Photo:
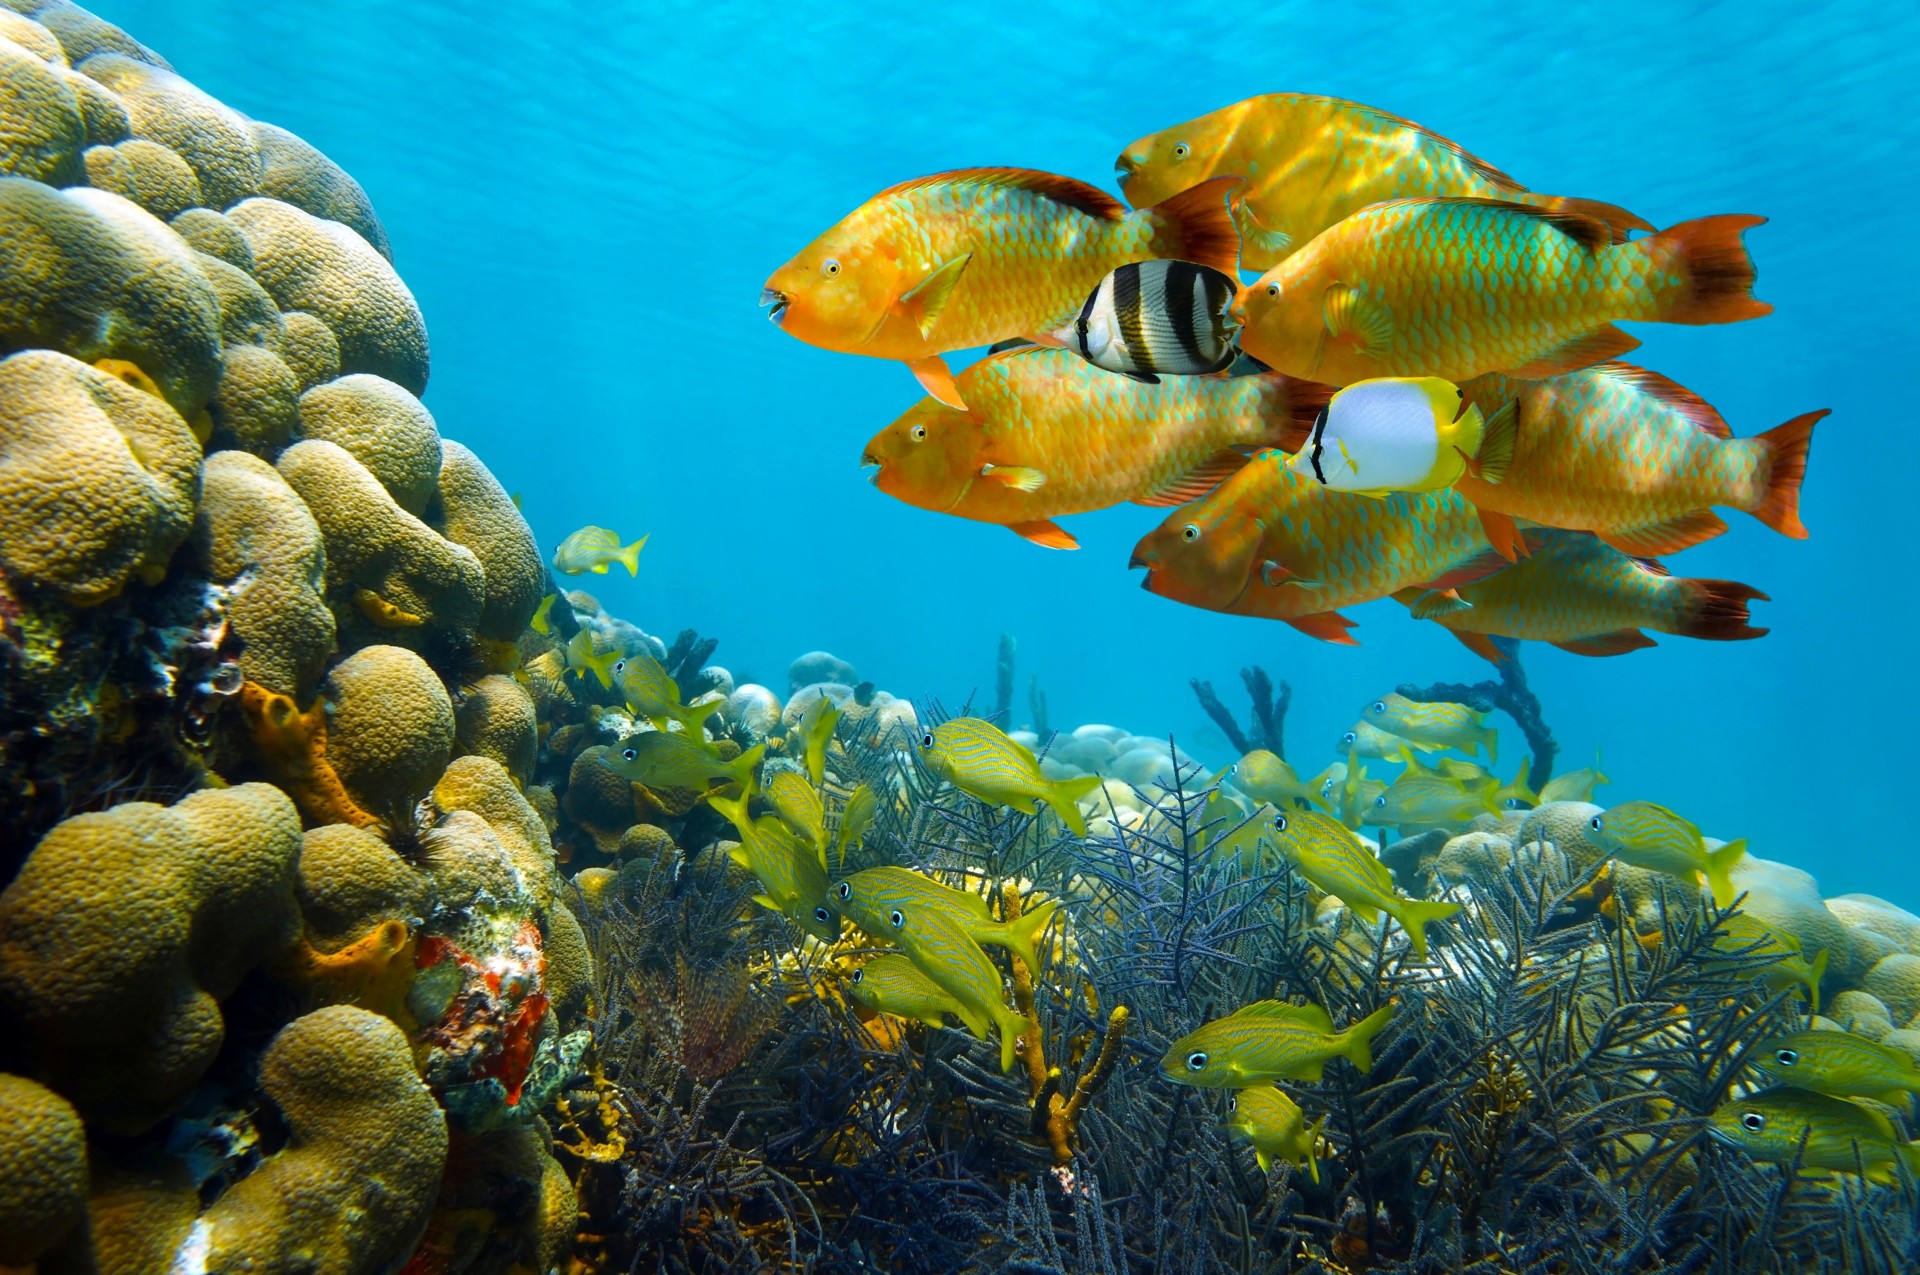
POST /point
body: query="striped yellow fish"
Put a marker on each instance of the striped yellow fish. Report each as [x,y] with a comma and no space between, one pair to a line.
[1443,725]
[798,805]
[1418,799]
[660,759]
[1585,596]
[815,732]
[855,819]
[593,549]
[894,985]
[1046,435]
[1269,542]
[1745,935]
[873,898]
[984,762]
[1815,1131]
[1310,162]
[1343,865]
[1264,776]
[1633,457]
[651,692]
[940,946]
[1838,1063]
[1276,1127]
[1653,837]
[1574,785]
[976,256]
[792,881]
[1375,744]
[1456,288]
[1270,1040]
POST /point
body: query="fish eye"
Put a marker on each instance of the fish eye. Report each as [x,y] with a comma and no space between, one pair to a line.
[897,919]
[1279,823]
[1594,823]
[1233,1102]
[1190,532]
[1273,291]
[858,975]
[1197,1060]
[822,915]
[1380,802]
[918,433]
[926,741]
[619,666]
[1786,1057]
[1350,738]
[1753,1121]
[1379,706]
[830,268]
[844,890]
[628,754]
[1181,150]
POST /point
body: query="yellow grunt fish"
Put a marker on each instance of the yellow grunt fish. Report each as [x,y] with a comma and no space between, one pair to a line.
[855,818]
[583,657]
[651,692]
[1575,785]
[1440,724]
[975,256]
[815,732]
[1653,837]
[1270,1040]
[593,548]
[1312,161]
[872,897]
[1838,1063]
[1047,434]
[1341,864]
[940,946]
[662,759]
[986,763]
[1459,287]
[1747,935]
[1785,1125]
[798,805]
[894,985]
[1276,1127]
[1375,744]
[792,882]
[1266,777]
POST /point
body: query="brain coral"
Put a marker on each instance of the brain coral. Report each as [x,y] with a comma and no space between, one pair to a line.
[97,479]
[214,140]
[86,272]
[256,405]
[82,34]
[361,1168]
[481,785]
[43,1193]
[349,881]
[256,537]
[147,173]
[476,511]
[495,718]
[42,129]
[392,727]
[248,315]
[209,232]
[310,349]
[126,928]
[384,427]
[296,173]
[330,272]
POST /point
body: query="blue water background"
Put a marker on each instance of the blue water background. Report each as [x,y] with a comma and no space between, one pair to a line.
[587,199]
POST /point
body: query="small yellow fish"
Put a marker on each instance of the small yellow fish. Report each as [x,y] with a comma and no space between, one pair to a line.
[1270,1040]
[792,881]
[1653,837]
[1340,863]
[984,762]
[539,623]
[815,730]
[1839,1064]
[651,692]
[583,658]
[798,805]
[1237,836]
[1264,776]
[1276,1127]
[855,819]
[1443,725]
[874,897]
[1422,799]
[1575,785]
[1392,433]
[1747,935]
[1371,742]
[592,549]
[893,984]
[663,759]
[942,949]
[1782,1125]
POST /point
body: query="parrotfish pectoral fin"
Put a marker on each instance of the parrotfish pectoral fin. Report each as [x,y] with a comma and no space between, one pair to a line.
[1670,535]
[1328,626]
[1497,440]
[1357,320]
[1586,349]
[1481,645]
[1439,602]
[1044,531]
[1253,233]
[928,297]
[1502,533]
[1195,483]
[1018,477]
[1618,642]
[936,378]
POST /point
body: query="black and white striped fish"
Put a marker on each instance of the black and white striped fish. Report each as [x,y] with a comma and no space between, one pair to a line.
[1156,317]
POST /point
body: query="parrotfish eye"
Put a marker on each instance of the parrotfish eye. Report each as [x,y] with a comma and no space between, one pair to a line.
[1594,823]
[1181,150]
[1273,291]
[844,890]
[1279,823]
[1753,1121]
[1786,1057]
[830,268]
[1197,1060]
[918,433]
[629,754]
[1190,532]
[897,919]
[822,915]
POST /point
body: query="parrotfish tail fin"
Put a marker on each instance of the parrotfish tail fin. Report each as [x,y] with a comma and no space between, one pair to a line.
[1618,219]
[1414,914]
[1719,863]
[1012,1026]
[1356,1043]
[1196,225]
[1816,970]
[746,770]
[1064,796]
[1313,1143]
[694,716]
[630,556]
[1717,610]
[1719,272]
[1022,935]
[1786,446]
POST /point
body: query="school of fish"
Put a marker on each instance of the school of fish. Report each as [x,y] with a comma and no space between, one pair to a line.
[1419,398]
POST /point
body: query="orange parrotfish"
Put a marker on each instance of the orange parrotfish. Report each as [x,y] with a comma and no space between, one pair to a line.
[1458,287]
[976,256]
[1046,433]
[1585,596]
[1276,544]
[1312,161]
[1633,457]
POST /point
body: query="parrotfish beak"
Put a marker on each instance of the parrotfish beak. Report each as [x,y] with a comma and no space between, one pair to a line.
[778,300]
[1238,310]
[1125,167]
[869,461]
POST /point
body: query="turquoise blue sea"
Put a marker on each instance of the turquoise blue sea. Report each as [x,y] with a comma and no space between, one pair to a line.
[586,200]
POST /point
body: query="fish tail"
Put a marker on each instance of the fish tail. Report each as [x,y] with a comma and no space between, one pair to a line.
[1786,448]
[1717,271]
[1012,1026]
[630,556]
[1064,796]
[1356,1043]
[733,811]
[1816,970]
[1021,935]
[1414,915]
[1719,863]
[602,666]
[1716,610]
[1313,1145]
[1198,226]
[746,768]
[694,716]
